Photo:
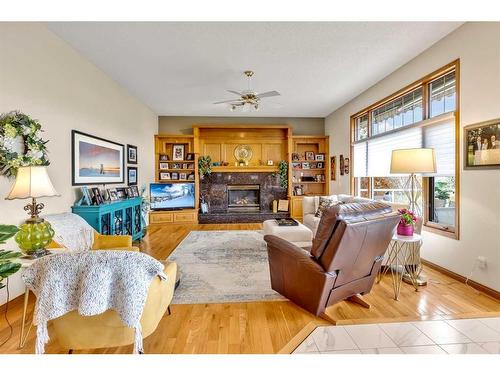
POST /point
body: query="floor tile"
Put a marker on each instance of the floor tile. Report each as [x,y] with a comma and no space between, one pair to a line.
[307,346]
[493,323]
[368,336]
[423,349]
[382,351]
[441,333]
[332,338]
[475,330]
[349,351]
[491,347]
[469,348]
[405,334]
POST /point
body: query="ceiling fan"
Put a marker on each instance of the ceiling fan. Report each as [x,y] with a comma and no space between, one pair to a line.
[248,99]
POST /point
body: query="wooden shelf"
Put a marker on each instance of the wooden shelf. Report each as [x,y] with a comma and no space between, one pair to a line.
[177,169]
[309,182]
[261,168]
[308,169]
[162,181]
[177,161]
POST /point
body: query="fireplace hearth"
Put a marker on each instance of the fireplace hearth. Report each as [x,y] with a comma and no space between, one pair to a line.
[243,198]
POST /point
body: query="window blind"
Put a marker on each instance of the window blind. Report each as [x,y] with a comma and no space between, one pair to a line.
[372,157]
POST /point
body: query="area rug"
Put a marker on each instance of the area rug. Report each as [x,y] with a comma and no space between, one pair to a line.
[223,266]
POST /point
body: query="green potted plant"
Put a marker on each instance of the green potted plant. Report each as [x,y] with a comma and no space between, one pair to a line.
[205,166]
[283,174]
[7,267]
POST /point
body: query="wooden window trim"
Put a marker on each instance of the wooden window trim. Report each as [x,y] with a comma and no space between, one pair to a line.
[425,84]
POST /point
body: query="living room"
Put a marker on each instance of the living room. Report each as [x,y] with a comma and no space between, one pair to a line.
[336,204]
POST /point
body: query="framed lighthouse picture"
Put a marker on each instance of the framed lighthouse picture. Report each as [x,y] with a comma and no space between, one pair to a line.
[96,160]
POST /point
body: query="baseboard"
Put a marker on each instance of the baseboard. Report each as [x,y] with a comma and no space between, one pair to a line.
[480,287]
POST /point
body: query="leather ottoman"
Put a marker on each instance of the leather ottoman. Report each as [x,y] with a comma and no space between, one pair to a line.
[299,235]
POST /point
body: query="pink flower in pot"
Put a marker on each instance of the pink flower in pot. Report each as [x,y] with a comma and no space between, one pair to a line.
[407,222]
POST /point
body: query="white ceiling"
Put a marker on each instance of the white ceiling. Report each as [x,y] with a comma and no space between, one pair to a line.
[182,68]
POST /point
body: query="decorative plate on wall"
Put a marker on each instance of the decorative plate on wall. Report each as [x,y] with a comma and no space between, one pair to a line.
[243,153]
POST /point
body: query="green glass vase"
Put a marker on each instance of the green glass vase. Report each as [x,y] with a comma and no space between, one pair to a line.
[33,237]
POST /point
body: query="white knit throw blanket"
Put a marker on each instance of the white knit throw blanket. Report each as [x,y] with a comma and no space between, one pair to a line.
[71,231]
[91,282]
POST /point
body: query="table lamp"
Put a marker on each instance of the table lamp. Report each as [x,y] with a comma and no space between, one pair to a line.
[413,161]
[36,233]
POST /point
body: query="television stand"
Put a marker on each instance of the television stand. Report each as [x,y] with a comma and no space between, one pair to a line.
[184,216]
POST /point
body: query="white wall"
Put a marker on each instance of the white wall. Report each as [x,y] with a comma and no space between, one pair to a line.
[478,47]
[44,77]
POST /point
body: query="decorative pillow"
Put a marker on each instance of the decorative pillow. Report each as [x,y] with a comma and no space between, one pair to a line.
[324,203]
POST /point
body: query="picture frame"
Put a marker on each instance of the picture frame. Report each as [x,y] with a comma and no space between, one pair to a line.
[87,199]
[96,160]
[346,166]
[298,190]
[190,156]
[129,192]
[297,165]
[270,163]
[131,154]
[178,152]
[98,199]
[319,157]
[310,155]
[190,177]
[185,165]
[283,205]
[112,194]
[182,176]
[341,164]
[306,165]
[136,191]
[164,157]
[120,193]
[482,145]
[165,176]
[132,176]
[175,165]
[295,156]
[174,176]
[320,165]
[164,165]
[333,168]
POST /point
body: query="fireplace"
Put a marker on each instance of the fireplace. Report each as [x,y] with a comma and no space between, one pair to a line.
[243,197]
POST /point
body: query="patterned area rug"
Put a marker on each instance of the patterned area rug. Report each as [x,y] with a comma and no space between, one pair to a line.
[223,266]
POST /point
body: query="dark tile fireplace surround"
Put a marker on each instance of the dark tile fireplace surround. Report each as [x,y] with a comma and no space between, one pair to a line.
[240,197]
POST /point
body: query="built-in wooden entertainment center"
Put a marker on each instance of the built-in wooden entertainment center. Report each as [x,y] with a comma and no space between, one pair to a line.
[267,144]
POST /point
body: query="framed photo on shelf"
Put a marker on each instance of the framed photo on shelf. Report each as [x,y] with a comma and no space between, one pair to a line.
[163,165]
[96,160]
[306,165]
[333,168]
[112,194]
[132,175]
[190,156]
[320,165]
[175,165]
[297,165]
[175,176]
[191,177]
[295,156]
[129,192]
[319,157]
[97,196]
[164,157]
[120,193]
[310,155]
[270,163]
[165,176]
[131,154]
[185,165]
[482,145]
[341,165]
[178,152]
[87,199]
[182,176]
[135,190]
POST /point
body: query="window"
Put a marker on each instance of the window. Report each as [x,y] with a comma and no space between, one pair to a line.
[410,120]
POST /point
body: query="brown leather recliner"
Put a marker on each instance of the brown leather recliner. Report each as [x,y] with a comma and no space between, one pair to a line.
[345,257]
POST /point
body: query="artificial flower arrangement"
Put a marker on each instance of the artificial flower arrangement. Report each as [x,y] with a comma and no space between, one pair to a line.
[20,143]
[407,222]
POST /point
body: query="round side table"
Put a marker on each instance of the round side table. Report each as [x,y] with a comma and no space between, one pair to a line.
[404,261]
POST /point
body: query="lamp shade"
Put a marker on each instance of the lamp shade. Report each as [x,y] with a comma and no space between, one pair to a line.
[32,182]
[413,160]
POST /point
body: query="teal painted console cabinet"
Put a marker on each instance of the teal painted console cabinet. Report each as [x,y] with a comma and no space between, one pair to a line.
[119,217]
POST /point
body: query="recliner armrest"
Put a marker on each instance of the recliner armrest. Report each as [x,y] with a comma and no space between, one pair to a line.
[277,244]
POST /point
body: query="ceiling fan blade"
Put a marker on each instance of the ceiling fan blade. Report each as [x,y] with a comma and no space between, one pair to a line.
[268,94]
[229,101]
[234,92]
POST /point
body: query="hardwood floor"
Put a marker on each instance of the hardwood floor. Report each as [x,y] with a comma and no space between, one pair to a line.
[267,327]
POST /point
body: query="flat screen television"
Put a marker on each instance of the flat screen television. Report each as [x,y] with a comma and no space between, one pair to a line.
[174,196]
